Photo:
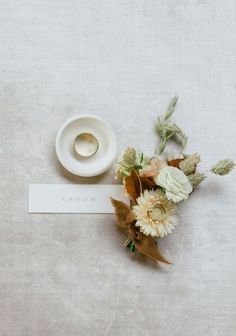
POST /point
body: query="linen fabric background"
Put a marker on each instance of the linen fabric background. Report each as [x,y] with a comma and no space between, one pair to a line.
[122,60]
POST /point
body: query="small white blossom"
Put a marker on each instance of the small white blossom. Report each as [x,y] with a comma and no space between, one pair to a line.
[175,183]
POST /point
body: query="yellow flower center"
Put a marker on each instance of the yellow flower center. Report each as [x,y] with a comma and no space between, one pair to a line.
[157,212]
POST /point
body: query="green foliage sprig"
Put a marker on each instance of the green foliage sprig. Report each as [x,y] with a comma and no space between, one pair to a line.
[168,131]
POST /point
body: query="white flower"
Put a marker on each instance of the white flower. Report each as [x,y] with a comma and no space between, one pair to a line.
[155,214]
[175,183]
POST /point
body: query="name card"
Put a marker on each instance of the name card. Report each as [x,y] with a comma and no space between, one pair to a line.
[74,198]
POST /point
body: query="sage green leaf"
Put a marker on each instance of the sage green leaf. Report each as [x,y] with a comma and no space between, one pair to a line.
[168,131]
[171,108]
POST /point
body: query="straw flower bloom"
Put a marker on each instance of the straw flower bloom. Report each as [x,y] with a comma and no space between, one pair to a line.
[155,214]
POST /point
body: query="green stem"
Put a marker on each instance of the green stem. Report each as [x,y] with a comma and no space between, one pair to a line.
[127,242]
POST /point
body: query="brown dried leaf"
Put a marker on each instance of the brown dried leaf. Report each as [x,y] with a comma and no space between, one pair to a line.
[147,183]
[136,184]
[174,163]
[123,213]
[146,245]
[132,185]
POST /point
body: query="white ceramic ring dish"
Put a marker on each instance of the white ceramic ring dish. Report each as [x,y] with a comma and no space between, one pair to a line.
[101,160]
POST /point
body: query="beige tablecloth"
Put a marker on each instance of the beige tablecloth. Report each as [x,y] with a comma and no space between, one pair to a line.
[68,275]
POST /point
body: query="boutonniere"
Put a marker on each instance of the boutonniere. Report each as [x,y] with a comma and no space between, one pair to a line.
[155,186]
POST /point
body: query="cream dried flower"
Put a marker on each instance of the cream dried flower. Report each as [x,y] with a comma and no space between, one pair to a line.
[153,168]
[156,216]
[175,183]
[189,164]
[223,167]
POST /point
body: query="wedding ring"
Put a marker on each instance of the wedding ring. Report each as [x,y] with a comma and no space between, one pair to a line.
[86,145]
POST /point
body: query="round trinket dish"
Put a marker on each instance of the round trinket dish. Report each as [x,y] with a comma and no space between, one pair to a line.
[86,145]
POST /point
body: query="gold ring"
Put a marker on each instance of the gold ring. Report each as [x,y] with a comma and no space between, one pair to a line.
[86,145]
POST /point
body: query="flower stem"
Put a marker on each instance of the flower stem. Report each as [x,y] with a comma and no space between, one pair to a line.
[127,242]
[140,183]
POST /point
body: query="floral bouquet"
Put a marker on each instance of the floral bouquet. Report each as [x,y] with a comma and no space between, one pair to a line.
[155,185]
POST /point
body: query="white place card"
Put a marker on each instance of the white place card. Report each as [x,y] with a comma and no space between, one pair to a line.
[73,198]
